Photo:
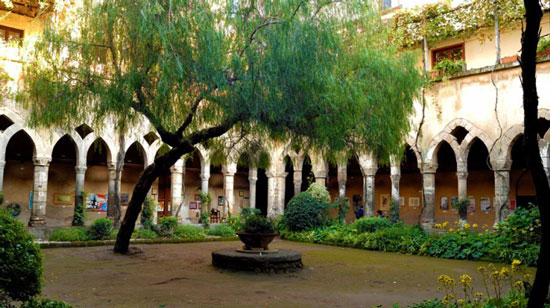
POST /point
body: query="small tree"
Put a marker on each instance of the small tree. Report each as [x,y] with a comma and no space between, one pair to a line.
[318,73]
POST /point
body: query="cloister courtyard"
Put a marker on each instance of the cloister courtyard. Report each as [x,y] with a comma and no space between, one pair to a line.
[181,275]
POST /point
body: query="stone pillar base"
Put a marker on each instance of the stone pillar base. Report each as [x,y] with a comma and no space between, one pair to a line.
[37,222]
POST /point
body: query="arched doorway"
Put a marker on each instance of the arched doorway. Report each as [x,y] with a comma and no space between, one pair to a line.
[522,189]
[19,173]
[96,182]
[289,179]
[446,184]
[481,184]
[192,185]
[307,174]
[261,192]
[410,188]
[134,164]
[61,183]
[354,187]
[163,193]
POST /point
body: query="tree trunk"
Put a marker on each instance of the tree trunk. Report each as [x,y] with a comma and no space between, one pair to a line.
[146,179]
[529,42]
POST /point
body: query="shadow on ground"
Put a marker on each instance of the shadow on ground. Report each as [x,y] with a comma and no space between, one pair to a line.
[181,275]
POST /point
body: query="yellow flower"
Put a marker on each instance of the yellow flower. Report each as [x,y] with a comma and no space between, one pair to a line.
[478,294]
[516,262]
[514,303]
[461,301]
[437,226]
[482,269]
[444,225]
[451,230]
[466,280]
[466,226]
[474,226]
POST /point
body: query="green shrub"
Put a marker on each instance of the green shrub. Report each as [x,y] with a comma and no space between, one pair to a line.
[69,234]
[305,212]
[205,220]
[189,231]
[146,234]
[449,67]
[222,230]
[79,213]
[20,261]
[258,224]
[462,244]
[371,224]
[100,229]
[147,214]
[247,211]
[167,225]
[45,303]
[319,192]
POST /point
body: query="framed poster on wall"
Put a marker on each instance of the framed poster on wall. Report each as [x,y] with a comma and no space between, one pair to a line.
[485,204]
[444,203]
[414,201]
[192,205]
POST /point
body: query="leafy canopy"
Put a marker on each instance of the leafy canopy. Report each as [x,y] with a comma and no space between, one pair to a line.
[320,73]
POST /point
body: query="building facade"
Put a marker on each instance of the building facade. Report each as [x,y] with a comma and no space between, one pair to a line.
[469,148]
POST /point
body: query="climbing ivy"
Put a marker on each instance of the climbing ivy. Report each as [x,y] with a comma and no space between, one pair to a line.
[441,21]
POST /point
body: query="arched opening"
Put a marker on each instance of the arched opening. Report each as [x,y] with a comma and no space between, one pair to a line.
[410,188]
[332,186]
[261,192]
[481,184]
[192,185]
[96,184]
[5,122]
[354,187]
[61,183]
[522,188]
[134,163]
[163,192]
[382,190]
[19,172]
[446,184]
[215,188]
[289,180]
[241,188]
[307,174]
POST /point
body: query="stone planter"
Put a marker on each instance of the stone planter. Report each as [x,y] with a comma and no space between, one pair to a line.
[256,241]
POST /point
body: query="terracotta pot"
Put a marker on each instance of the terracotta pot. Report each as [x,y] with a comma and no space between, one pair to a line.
[256,240]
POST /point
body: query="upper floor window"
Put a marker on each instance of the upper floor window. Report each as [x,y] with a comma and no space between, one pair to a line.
[385,4]
[454,53]
[10,34]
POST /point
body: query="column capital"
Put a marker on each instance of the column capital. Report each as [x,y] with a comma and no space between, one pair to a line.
[41,161]
[429,169]
[395,177]
[369,172]
[80,169]
[176,169]
[462,175]
[111,166]
[275,174]
[205,177]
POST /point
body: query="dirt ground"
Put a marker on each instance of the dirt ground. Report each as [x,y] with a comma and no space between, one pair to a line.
[181,275]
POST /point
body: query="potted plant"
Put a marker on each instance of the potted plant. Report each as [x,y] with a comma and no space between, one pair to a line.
[257,233]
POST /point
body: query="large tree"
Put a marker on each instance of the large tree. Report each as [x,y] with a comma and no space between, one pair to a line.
[317,72]
[528,61]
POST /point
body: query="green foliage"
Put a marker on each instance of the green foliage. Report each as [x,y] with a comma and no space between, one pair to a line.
[448,67]
[258,224]
[544,44]
[206,198]
[319,192]
[222,230]
[252,78]
[45,303]
[237,222]
[247,211]
[371,224]
[205,220]
[516,238]
[188,231]
[69,234]
[305,212]
[100,229]
[79,213]
[146,234]
[21,261]
[147,214]
[167,225]
[343,208]
[462,206]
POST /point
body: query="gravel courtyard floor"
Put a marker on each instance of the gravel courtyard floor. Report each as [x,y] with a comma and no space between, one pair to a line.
[181,275]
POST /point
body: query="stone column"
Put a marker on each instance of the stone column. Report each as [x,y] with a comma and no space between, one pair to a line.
[80,179]
[228,189]
[462,176]
[275,193]
[368,191]
[395,178]
[321,177]
[501,202]
[342,179]
[297,181]
[40,192]
[176,186]
[205,176]
[252,179]
[428,217]
[2,166]
[112,210]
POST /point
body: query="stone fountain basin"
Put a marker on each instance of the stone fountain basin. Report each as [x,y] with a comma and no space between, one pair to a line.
[281,261]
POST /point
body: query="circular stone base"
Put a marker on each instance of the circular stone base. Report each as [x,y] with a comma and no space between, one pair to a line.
[283,261]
